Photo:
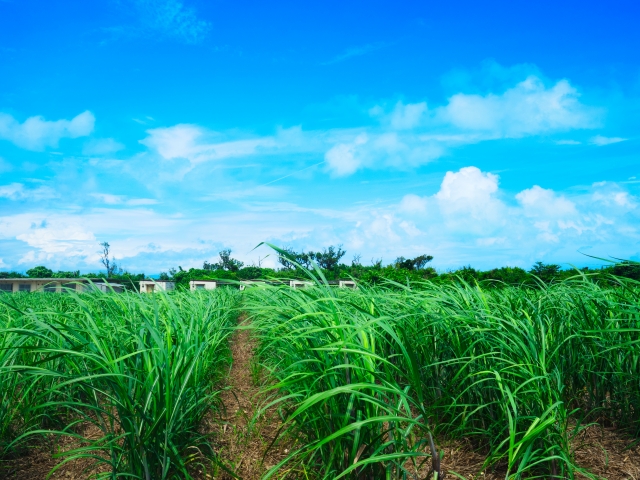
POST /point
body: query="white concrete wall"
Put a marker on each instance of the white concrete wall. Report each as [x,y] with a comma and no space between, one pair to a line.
[299,284]
[148,286]
[347,284]
[202,285]
[53,285]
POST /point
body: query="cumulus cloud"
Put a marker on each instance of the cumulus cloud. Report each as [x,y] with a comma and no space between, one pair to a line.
[529,108]
[601,141]
[538,201]
[535,223]
[410,134]
[470,193]
[412,203]
[36,133]
[470,213]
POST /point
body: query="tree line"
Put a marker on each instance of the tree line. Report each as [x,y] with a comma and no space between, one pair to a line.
[330,261]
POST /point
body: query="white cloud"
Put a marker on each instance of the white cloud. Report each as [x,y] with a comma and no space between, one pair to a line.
[403,116]
[408,135]
[101,146]
[199,145]
[568,142]
[17,191]
[36,133]
[469,219]
[611,195]
[413,204]
[381,228]
[538,201]
[68,239]
[529,108]
[470,194]
[380,151]
[600,141]
[345,158]
[535,224]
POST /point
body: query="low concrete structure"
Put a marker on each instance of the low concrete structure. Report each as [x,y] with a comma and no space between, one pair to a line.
[202,285]
[151,286]
[347,284]
[299,284]
[57,285]
[109,287]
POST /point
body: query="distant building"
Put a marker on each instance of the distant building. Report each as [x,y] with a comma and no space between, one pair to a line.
[151,286]
[299,284]
[347,284]
[202,285]
[58,285]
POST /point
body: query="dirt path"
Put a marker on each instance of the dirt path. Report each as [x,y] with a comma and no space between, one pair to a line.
[243,440]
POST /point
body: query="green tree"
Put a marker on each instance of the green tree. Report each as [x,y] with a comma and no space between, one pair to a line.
[11,275]
[545,272]
[417,263]
[40,272]
[627,269]
[227,263]
[508,275]
[329,258]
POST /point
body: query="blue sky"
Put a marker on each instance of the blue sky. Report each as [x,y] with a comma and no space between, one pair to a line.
[482,133]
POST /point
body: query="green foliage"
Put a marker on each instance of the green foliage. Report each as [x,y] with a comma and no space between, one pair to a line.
[40,272]
[545,272]
[363,379]
[518,370]
[249,273]
[225,263]
[417,263]
[328,259]
[379,276]
[63,274]
[345,383]
[506,275]
[142,369]
[627,269]
[11,275]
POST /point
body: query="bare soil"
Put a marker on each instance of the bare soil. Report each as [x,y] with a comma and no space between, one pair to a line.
[243,439]
[603,452]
